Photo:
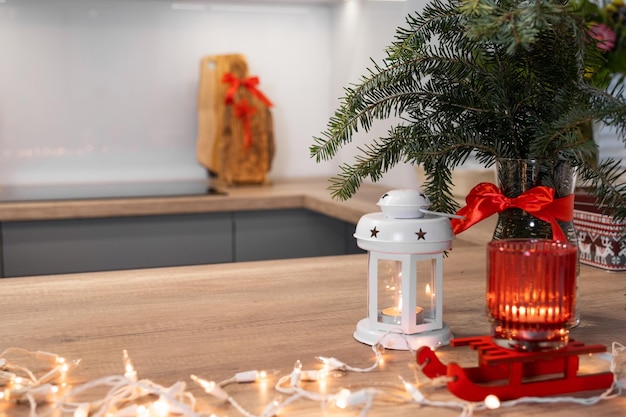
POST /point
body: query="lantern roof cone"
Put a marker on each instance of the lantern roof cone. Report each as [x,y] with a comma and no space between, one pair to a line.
[404,225]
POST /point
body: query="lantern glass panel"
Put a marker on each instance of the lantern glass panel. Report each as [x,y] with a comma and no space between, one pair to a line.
[389,291]
[426,288]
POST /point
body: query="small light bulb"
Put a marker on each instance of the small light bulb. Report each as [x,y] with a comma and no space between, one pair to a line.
[44,392]
[129,369]
[492,402]
[202,382]
[332,363]
[6,394]
[82,410]
[250,376]
[271,409]
[161,407]
[341,400]
[322,380]
[58,372]
[210,387]
[413,391]
[295,374]
[142,411]
[346,398]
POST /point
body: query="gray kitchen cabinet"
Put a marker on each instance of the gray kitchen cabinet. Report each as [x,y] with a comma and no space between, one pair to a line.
[294,233]
[101,244]
[48,247]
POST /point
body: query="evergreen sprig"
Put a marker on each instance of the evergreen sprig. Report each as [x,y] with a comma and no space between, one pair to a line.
[488,78]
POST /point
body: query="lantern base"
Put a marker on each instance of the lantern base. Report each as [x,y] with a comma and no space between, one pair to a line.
[400,341]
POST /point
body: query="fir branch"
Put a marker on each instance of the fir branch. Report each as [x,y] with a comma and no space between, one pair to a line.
[489,78]
[373,162]
[607,183]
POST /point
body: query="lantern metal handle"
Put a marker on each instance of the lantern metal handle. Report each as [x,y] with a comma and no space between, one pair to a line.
[437,213]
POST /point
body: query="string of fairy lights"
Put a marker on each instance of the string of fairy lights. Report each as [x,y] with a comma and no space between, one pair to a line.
[128,396]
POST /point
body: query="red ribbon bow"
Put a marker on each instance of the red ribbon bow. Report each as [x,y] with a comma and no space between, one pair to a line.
[250,83]
[486,199]
[244,111]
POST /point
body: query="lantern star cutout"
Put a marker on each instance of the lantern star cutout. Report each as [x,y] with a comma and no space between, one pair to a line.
[374,232]
[421,235]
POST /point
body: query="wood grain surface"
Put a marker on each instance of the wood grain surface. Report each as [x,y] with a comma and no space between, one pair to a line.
[311,193]
[217,320]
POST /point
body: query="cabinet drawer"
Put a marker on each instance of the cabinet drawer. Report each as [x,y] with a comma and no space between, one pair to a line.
[294,233]
[67,246]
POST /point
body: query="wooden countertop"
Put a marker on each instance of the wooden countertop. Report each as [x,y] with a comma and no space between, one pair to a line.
[307,193]
[310,194]
[217,320]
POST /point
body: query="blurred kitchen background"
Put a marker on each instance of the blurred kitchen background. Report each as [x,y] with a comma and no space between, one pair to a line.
[106,90]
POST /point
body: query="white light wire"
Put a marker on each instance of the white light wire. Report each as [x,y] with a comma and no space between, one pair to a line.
[124,390]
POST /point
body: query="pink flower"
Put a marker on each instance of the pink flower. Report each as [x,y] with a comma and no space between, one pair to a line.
[604,35]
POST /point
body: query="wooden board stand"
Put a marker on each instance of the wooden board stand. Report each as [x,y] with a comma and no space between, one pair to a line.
[221,145]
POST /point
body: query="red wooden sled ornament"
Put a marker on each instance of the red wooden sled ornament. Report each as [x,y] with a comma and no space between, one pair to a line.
[510,374]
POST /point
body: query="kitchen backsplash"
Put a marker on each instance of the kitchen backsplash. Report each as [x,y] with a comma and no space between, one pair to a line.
[106,90]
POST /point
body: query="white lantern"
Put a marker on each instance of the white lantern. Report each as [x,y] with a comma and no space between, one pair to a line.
[406,245]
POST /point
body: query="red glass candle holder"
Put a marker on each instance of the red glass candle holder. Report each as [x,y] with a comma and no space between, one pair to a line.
[531,292]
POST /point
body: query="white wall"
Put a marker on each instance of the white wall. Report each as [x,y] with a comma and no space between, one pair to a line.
[105,90]
[363,30]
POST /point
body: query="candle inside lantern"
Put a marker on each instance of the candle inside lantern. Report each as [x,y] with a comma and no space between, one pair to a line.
[393,315]
[531,292]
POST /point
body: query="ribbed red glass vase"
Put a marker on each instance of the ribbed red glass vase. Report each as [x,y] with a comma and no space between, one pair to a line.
[531,292]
